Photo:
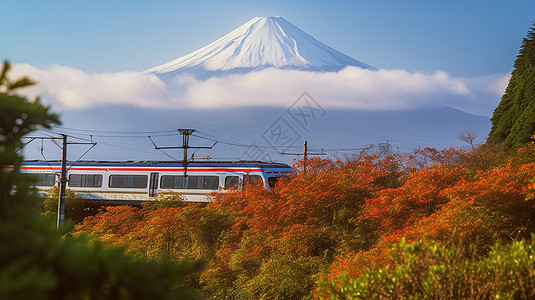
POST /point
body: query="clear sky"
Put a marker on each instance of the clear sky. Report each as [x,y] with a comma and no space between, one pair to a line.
[461,38]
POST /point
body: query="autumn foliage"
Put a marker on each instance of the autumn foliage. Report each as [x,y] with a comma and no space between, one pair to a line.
[334,222]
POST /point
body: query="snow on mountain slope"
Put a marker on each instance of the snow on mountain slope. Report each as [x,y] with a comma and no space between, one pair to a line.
[261,43]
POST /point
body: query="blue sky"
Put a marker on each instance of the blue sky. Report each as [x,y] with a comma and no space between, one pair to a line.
[461,38]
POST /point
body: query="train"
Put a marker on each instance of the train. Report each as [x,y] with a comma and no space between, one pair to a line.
[132,182]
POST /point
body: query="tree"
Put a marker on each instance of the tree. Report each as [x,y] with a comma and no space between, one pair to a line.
[18,117]
[469,137]
[513,120]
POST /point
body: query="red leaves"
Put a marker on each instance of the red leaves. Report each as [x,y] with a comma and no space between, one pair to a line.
[420,196]
[346,212]
[448,201]
[116,220]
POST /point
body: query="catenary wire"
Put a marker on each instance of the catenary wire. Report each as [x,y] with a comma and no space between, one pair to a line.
[165,133]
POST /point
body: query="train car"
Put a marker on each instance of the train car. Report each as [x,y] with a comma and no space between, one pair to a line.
[136,182]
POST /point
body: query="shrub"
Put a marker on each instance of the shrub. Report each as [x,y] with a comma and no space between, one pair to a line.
[425,269]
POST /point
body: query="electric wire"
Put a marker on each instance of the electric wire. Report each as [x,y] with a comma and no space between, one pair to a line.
[100,142]
[124,147]
[203,135]
[46,160]
[24,145]
[78,160]
[117,132]
[79,133]
[232,143]
[168,155]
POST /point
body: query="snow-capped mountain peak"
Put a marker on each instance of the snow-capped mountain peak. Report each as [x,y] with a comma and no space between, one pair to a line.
[262,42]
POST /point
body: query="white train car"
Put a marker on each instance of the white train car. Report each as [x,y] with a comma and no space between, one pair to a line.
[136,182]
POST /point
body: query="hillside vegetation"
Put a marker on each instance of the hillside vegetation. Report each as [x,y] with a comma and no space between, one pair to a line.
[513,121]
[444,223]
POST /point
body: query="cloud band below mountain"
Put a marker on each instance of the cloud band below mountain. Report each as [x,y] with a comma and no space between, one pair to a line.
[351,88]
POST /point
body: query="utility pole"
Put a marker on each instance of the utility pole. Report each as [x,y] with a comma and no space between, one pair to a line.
[63,175]
[62,183]
[185,146]
[305,155]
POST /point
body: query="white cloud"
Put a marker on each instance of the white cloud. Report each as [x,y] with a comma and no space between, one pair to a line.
[351,88]
[73,89]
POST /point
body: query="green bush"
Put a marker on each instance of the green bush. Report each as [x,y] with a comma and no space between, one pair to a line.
[37,263]
[427,270]
[282,277]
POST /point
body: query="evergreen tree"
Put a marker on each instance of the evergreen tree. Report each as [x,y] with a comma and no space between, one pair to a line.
[513,121]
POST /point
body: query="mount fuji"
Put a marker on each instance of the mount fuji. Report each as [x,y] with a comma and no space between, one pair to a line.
[262,42]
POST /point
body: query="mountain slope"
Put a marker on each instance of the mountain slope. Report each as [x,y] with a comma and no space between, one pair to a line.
[260,43]
[337,129]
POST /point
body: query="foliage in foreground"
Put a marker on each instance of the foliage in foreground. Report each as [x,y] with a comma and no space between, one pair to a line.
[38,264]
[427,270]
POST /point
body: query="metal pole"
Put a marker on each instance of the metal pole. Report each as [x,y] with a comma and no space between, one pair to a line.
[305,156]
[185,145]
[62,184]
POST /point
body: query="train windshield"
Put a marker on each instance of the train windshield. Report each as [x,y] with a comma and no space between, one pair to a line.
[272,181]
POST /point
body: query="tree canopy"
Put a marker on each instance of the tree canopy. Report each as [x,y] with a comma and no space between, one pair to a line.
[513,121]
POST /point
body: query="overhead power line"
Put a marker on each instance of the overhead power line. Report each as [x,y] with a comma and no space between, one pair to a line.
[185,146]
[117,132]
[88,135]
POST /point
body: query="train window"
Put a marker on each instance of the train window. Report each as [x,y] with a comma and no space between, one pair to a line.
[211,183]
[85,180]
[172,182]
[252,179]
[45,179]
[128,181]
[203,182]
[194,182]
[231,181]
[272,181]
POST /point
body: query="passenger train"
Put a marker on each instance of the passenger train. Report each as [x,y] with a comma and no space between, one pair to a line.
[136,182]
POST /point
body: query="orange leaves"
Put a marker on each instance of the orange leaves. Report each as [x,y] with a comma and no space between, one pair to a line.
[496,199]
[420,196]
[312,198]
[116,220]
[162,232]
[445,201]
[344,213]
[299,216]
[355,263]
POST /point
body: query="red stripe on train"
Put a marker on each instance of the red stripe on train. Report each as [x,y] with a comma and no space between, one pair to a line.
[147,169]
